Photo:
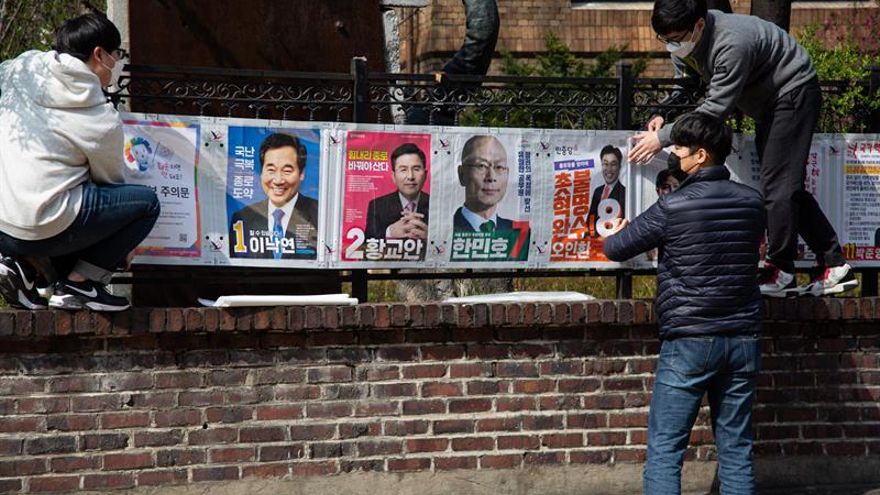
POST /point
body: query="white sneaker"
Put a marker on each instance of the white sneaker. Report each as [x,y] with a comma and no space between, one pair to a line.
[774,282]
[834,280]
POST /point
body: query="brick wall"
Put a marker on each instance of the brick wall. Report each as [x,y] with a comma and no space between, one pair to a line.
[439,29]
[181,396]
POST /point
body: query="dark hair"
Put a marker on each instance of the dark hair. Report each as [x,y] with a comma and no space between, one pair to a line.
[279,140]
[664,174]
[79,36]
[407,149]
[608,149]
[672,16]
[698,130]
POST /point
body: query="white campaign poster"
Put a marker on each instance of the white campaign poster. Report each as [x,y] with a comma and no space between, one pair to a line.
[861,206]
[164,155]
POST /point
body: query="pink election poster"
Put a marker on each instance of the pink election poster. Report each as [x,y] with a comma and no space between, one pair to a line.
[386,196]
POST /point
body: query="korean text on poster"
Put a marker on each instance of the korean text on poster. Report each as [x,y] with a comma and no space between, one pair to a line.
[862,200]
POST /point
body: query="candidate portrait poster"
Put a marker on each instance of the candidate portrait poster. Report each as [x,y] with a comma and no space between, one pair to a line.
[589,191]
[163,155]
[488,198]
[272,192]
[386,196]
[861,207]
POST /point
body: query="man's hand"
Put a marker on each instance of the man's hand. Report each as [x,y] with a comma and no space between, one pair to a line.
[647,145]
[655,123]
[410,226]
[617,225]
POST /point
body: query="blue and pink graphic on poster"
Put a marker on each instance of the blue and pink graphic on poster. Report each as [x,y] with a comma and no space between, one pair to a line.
[272,189]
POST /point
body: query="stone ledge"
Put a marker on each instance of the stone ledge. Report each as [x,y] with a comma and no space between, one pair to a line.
[21,324]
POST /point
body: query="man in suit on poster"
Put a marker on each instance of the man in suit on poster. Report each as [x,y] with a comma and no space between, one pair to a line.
[286,218]
[404,212]
[484,174]
[611,157]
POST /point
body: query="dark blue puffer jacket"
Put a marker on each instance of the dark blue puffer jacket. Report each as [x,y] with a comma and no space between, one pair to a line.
[708,232]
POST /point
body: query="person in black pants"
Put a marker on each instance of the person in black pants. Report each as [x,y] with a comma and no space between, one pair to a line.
[751,64]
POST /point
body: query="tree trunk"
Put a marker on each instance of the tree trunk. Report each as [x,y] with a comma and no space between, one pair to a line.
[775,11]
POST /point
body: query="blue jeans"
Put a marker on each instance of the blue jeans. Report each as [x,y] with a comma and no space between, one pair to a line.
[725,367]
[112,221]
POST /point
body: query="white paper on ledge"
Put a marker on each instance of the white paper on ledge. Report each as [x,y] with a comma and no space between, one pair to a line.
[240,301]
[519,297]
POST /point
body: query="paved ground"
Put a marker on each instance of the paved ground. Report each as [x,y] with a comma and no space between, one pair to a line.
[813,490]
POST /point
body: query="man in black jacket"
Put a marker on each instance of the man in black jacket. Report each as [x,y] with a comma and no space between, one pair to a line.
[708,305]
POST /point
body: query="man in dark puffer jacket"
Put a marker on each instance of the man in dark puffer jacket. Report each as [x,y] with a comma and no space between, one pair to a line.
[708,305]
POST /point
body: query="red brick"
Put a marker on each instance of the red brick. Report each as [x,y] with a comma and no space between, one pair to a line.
[503,404]
[379,448]
[411,407]
[563,440]
[439,389]
[629,455]
[458,406]
[473,443]
[10,486]
[180,457]
[405,428]
[282,452]
[22,467]
[115,462]
[124,420]
[590,456]
[499,424]
[161,477]
[108,441]
[178,417]
[105,481]
[424,371]
[279,412]
[182,379]
[385,390]
[604,438]
[533,386]
[262,434]
[427,444]
[212,436]
[468,370]
[312,432]
[43,405]
[231,454]
[518,442]
[157,438]
[54,484]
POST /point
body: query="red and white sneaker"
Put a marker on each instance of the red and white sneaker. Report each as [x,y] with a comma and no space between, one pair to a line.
[774,282]
[833,280]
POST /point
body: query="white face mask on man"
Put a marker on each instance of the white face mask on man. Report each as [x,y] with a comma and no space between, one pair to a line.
[115,71]
[682,48]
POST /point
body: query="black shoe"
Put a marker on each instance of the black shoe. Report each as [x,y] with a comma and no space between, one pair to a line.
[18,284]
[88,295]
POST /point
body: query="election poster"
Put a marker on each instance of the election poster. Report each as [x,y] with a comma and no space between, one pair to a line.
[589,190]
[163,155]
[487,199]
[861,233]
[386,196]
[272,192]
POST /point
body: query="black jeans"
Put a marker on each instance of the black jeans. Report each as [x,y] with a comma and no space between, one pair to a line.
[783,138]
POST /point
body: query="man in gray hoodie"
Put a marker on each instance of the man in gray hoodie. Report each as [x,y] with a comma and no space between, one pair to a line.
[62,191]
[754,65]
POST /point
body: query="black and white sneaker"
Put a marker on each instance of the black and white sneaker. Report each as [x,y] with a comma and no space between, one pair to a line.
[86,295]
[18,281]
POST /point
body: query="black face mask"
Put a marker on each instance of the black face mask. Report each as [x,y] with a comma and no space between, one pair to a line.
[673,163]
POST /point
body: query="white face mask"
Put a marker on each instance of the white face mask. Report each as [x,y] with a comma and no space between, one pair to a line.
[115,72]
[680,49]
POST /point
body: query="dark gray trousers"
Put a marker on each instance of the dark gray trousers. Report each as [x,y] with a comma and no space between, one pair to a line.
[783,137]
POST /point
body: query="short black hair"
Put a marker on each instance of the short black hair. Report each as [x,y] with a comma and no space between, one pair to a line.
[79,36]
[672,16]
[280,140]
[614,150]
[665,173]
[407,149]
[699,130]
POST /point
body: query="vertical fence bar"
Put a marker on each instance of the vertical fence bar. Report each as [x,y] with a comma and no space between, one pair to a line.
[869,282]
[623,279]
[361,99]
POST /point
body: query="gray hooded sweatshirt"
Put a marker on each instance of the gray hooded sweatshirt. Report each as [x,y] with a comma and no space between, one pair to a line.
[747,62]
[57,131]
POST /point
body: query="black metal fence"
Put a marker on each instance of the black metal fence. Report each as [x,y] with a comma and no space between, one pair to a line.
[359,96]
